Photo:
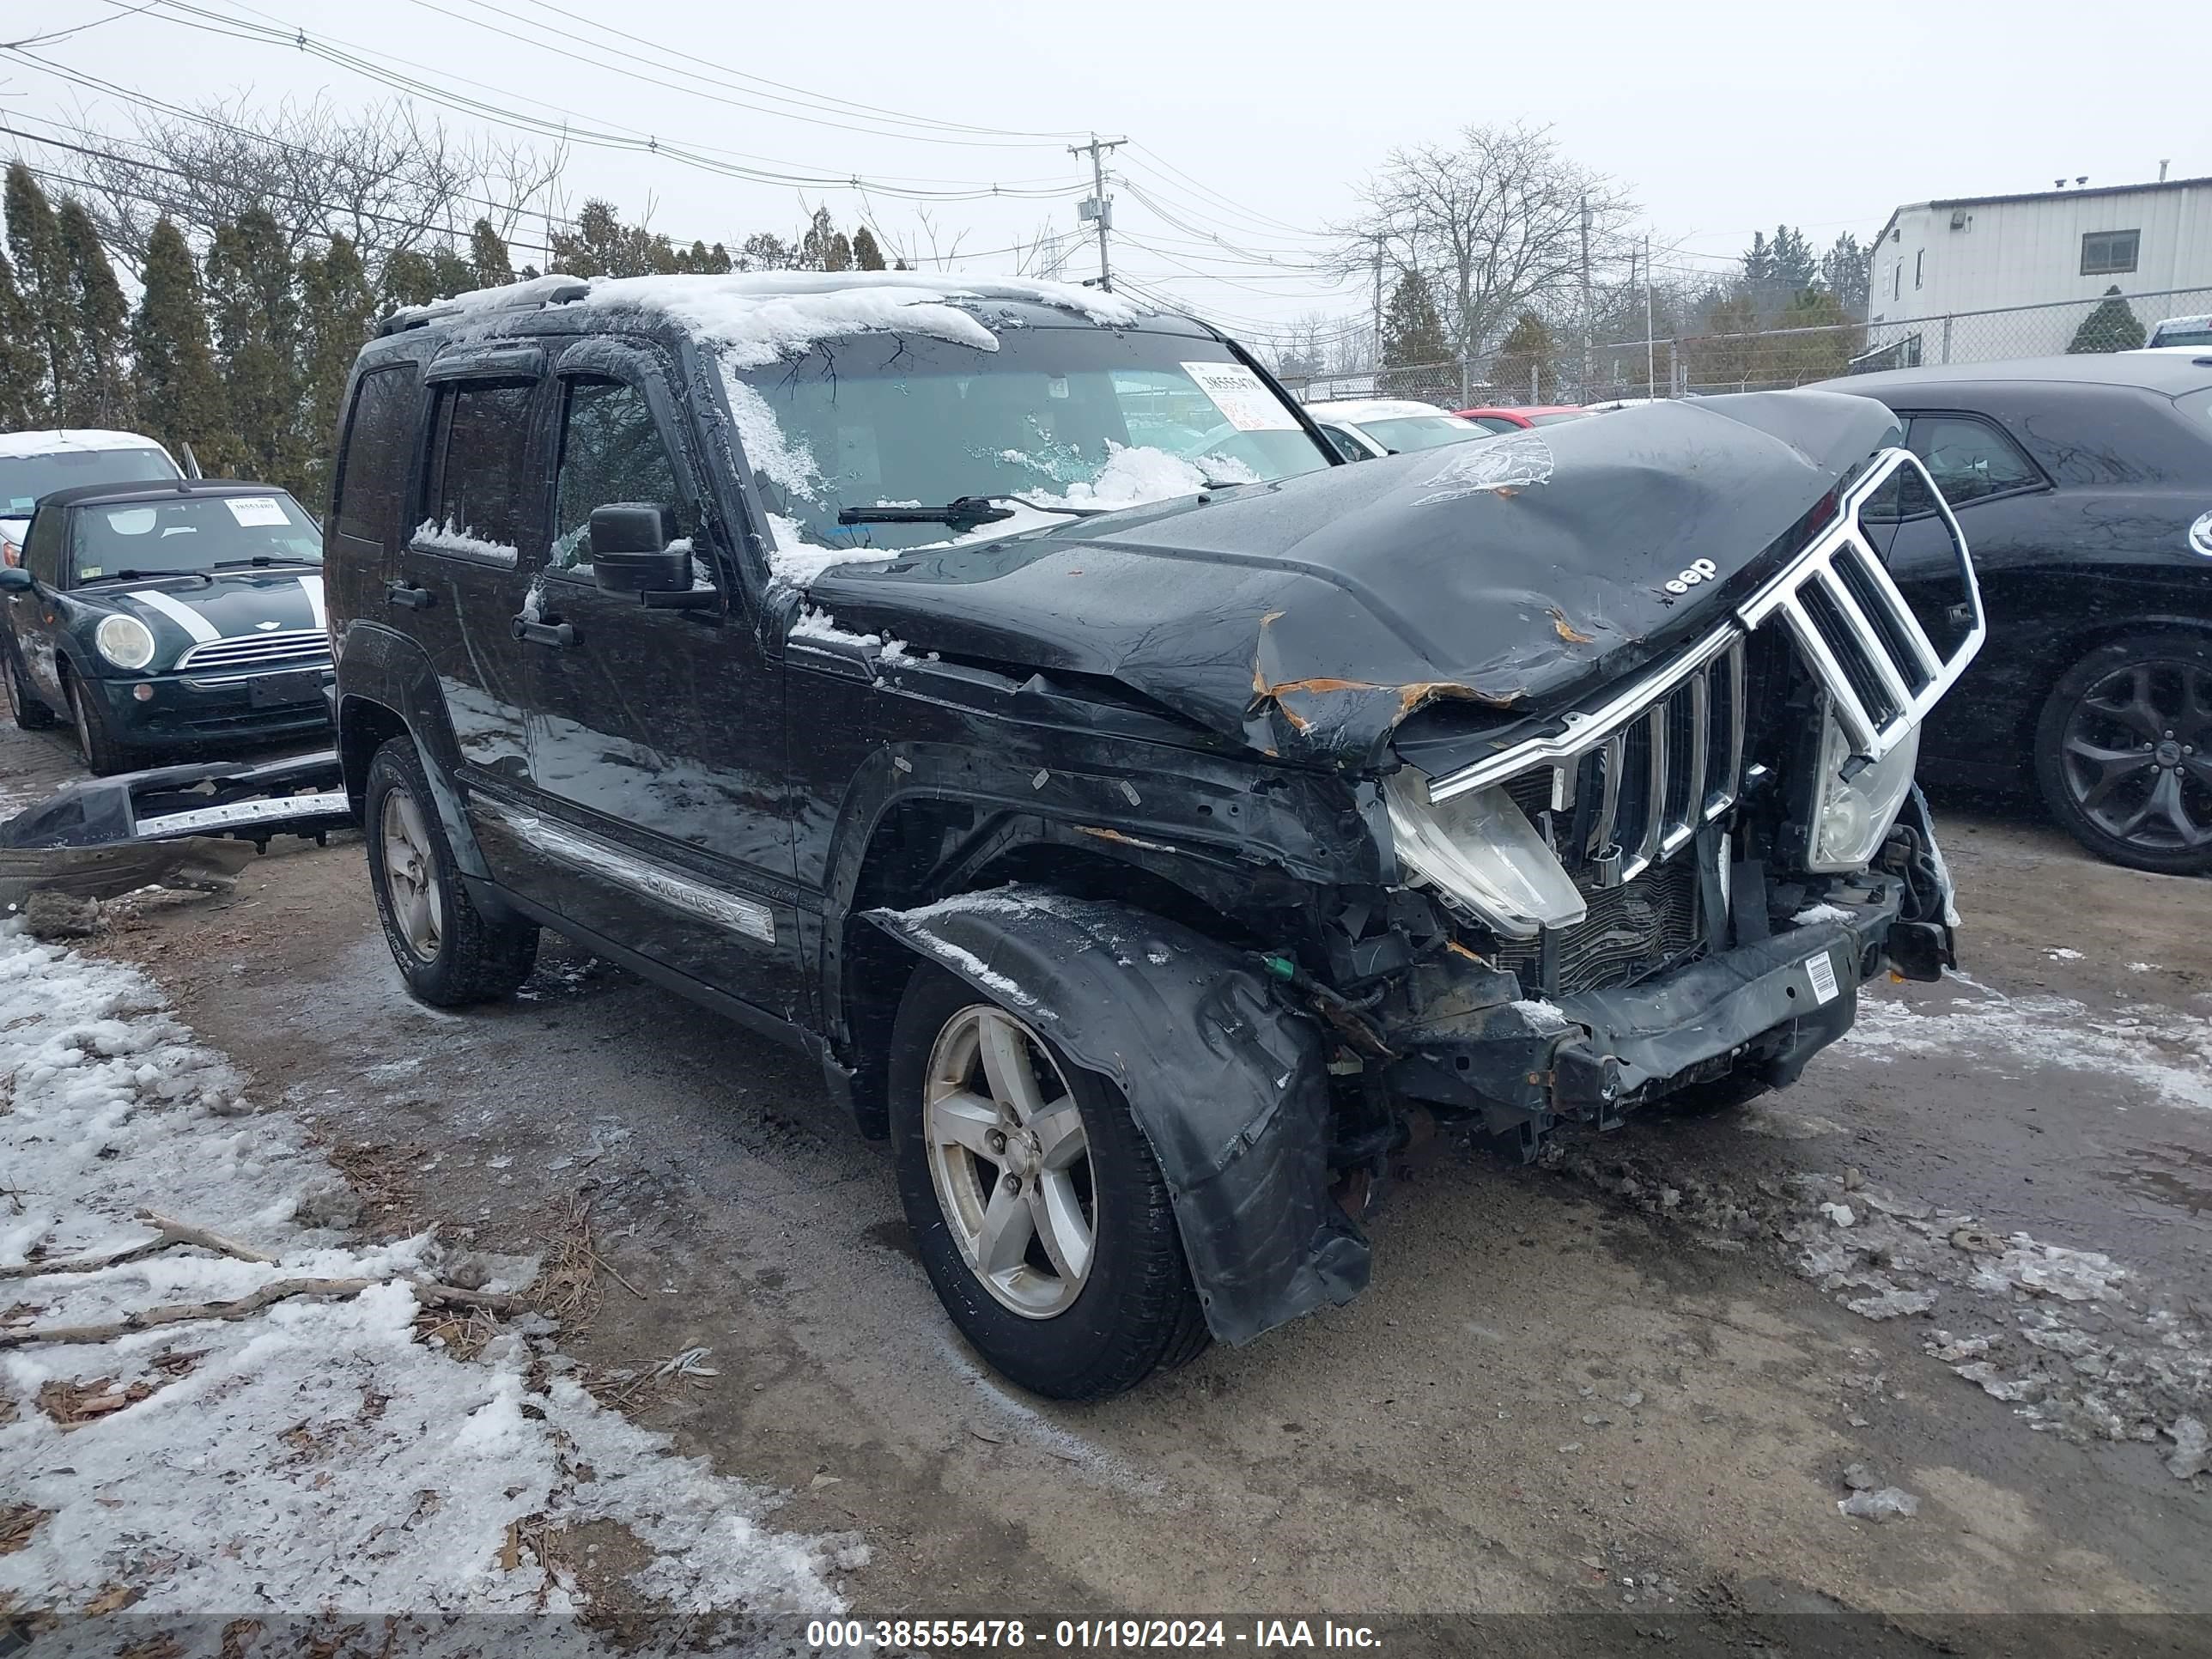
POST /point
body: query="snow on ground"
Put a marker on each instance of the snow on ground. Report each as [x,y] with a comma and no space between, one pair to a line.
[318,1457]
[2167,1052]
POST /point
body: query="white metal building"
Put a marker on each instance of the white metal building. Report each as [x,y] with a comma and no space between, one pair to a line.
[1981,278]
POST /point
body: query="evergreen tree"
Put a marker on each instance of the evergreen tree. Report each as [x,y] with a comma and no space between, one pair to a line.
[100,392]
[702,260]
[2112,327]
[1723,359]
[1524,360]
[824,247]
[1412,332]
[253,296]
[488,254]
[34,247]
[1845,273]
[409,279]
[866,255]
[338,309]
[23,384]
[451,272]
[180,395]
[1793,359]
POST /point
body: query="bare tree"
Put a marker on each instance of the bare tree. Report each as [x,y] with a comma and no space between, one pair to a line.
[1494,222]
[387,178]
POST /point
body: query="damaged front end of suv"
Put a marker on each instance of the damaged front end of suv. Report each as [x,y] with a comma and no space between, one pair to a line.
[1540,779]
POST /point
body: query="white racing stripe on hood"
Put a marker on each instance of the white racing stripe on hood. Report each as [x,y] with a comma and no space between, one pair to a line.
[312,587]
[202,630]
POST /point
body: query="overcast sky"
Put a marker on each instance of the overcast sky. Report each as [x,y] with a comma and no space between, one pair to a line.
[1254,123]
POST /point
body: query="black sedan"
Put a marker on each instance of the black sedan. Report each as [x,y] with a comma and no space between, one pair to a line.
[2084,487]
[161,616]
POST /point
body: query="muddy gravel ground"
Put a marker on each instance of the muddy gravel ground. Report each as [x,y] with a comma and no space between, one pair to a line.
[1633,1376]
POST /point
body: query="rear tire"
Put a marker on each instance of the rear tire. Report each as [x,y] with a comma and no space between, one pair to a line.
[2123,751]
[32,713]
[449,952]
[104,755]
[1131,1309]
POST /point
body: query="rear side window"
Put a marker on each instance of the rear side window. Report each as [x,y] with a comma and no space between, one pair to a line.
[611,451]
[373,466]
[1970,459]
[478,472]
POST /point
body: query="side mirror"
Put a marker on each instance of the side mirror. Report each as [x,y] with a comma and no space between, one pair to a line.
[14,578]
[630,550]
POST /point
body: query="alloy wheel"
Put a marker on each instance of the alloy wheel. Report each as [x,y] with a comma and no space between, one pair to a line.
[1011,1161]
[410,876]
[2135,755]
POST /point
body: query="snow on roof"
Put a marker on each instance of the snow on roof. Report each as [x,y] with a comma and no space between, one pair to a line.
[53,441]
[1356,410]
[756,318]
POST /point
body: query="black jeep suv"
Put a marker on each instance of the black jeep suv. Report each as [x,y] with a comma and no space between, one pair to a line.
[1001,693]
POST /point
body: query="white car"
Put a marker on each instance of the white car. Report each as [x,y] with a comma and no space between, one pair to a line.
[35,464]
[1367,427]
[2184,333]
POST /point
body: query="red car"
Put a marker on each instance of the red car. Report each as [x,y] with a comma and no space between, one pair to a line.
[1511,418]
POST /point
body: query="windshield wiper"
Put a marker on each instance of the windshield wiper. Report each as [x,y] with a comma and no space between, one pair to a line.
[146,575]
[963,513]
[264,559]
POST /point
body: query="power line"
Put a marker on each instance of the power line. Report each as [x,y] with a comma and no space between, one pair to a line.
[563,129]
[983,138]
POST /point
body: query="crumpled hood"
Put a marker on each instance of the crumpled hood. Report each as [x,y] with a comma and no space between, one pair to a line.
[239,603]
[1309,617]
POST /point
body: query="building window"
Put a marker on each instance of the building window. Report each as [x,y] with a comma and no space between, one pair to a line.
[2109,252]
[1917,258]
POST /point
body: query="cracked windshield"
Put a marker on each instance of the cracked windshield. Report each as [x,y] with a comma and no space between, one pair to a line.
[1081,419]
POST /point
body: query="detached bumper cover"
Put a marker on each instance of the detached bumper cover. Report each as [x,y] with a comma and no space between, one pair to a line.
[1774,1002]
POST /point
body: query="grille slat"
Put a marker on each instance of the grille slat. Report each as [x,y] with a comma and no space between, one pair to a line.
[295,645]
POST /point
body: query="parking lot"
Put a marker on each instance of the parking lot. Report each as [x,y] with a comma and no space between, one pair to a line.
[1630,1375]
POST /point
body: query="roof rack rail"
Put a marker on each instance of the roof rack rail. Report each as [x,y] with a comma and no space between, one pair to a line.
[522,296]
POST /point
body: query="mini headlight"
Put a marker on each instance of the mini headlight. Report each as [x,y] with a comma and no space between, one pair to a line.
[125,641]
[1481,849]
[1851,816]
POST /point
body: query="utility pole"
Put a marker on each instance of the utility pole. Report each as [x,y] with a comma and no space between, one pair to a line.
[1376,349]
[1099,208]
[1650,351]
[1588,345]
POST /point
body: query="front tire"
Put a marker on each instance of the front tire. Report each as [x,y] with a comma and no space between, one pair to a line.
[104,755]
[1037,1207]
[2123,751]
[449,952]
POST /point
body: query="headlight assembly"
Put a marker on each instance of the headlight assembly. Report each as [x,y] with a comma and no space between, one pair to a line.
[1852,816]
[125,641]
[1480,849]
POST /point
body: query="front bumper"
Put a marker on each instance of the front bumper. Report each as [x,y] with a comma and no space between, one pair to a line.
[183,709]
[1469,1045]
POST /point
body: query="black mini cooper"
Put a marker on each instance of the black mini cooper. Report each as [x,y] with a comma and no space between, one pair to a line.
[168,615]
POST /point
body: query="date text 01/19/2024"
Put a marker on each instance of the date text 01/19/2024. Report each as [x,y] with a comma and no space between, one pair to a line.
[899,1635]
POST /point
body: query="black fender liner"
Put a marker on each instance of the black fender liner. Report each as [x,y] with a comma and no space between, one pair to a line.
[1230,1087]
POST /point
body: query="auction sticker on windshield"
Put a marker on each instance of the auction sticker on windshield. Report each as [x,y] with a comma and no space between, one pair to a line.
[1241,397]
[251,510]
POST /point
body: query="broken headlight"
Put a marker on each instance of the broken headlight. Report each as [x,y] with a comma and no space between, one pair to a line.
[1854,811]
[1481,850]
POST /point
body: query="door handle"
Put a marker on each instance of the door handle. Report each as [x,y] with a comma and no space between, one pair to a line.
[415,598]
[537,633]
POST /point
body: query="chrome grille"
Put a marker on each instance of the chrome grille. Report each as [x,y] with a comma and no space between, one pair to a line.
[294,645]
[1630,793]
[1881,672]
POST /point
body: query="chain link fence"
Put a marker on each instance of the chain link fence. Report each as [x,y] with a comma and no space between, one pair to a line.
[1691,365]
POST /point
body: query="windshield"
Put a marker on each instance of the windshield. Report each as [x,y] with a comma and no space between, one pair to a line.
[195,533]
[1554,419]
[1420,432]
[1080,417]
[24,478]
